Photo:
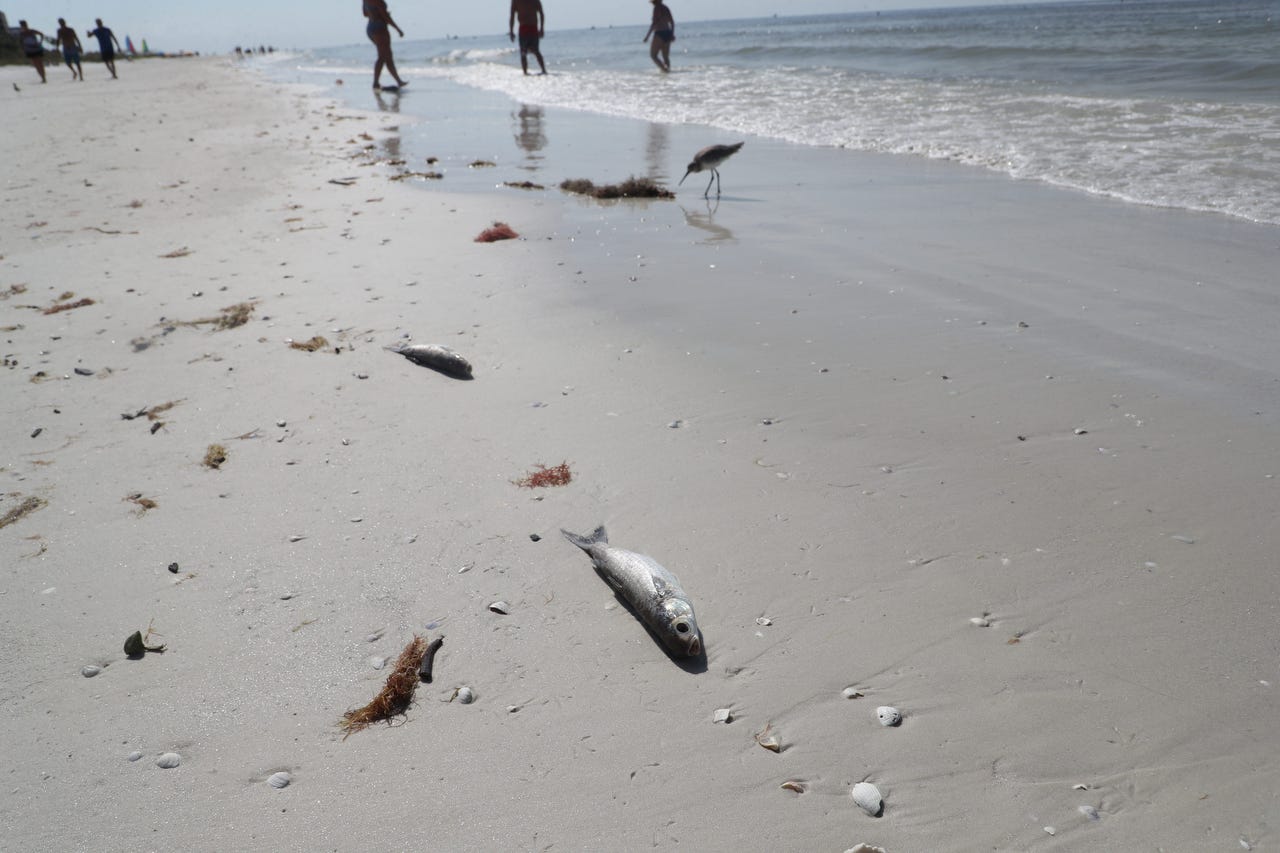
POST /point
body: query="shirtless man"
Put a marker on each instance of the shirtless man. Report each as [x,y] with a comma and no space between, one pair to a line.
[663,30]
[70,44]
[532,21]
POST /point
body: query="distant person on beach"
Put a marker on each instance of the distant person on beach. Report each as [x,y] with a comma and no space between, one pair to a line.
[107,46]
[663,30]
[33,46]
[379,20]
[532,22]
[70,44]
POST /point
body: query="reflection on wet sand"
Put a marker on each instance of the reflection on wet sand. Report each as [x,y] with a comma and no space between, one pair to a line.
[387,104]
[530,135]
[707,222]
[656,152]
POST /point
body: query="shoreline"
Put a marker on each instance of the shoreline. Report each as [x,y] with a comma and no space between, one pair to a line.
[1108,523]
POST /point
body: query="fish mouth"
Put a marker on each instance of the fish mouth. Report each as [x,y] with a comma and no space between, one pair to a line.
[695,646]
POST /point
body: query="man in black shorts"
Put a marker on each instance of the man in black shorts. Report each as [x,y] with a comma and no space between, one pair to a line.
[532,21]
[32,47]
[107,46]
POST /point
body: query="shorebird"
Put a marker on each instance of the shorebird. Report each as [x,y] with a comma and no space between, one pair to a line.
[709,158]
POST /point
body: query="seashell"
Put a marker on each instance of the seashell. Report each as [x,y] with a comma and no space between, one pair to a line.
[865,848]
[1050,830]
[722,715]
[169,760]
[980,621]
[1089,812]
[465,695]
[852,693]
[279,780]
[90,671]
[764,620]
[500,607]
[889,715]
[867,797]
[134,756]
[767,740]
[377,662]
[794,785]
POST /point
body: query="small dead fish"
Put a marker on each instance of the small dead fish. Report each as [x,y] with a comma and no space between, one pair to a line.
[650,589]
[439,358]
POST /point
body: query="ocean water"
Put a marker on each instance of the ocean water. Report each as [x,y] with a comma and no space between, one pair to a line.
[1172,104]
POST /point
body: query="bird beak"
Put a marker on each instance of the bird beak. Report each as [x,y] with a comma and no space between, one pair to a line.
[686,174]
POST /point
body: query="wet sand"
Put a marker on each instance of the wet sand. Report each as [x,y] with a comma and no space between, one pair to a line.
[858,405]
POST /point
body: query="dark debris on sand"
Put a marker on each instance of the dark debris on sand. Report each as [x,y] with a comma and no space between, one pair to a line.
[630,188]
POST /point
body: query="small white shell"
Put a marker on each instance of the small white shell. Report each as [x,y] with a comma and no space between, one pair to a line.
[90,671]
[1090,812]
[465,695]
[852,693]
[169,760]
[500,607]
[980,621]
[134,756]
[1050,830]
[865,848]
[889,715]
[867,797]
[279,780]
[722,715]
[764,620]
[377,661]
[794,785]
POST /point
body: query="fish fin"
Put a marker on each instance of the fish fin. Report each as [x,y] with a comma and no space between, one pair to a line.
[585,542]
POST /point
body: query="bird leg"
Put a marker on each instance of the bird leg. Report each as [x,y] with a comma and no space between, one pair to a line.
[706,193]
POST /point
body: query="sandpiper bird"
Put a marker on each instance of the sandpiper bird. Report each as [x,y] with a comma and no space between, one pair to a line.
[709,158]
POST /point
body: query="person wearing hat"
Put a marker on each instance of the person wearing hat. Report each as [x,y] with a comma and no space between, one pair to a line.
[663,30]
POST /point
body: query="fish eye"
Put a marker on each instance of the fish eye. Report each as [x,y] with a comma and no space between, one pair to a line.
[682,627]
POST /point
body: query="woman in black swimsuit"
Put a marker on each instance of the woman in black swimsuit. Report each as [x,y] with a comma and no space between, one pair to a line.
[379,19]
[663,30]
[32,46]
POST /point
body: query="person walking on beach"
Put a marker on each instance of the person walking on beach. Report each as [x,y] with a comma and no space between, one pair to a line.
[70,44]
[532,23]
[107,46]
[663,30]
[33,46]
[379,20]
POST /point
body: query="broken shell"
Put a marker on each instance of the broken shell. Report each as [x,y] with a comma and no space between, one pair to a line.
[867,797]
[279,780]
[852,693]
[865,848]
[768,741]
[793,785]
[764,620]
[169,760]
[377,662]
[889,715]
[722,715]
[465,695]
[90,671]
[500,607]
[1090,812]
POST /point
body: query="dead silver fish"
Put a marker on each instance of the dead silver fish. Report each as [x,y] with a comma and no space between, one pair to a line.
[650,589]
[435,356]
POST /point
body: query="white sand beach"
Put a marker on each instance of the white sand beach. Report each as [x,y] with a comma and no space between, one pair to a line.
[1000,456]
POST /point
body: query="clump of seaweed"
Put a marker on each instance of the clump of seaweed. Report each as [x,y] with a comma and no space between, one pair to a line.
[499,231]
[215,456]
[428,176]
[28,506]
[523,185]
[13,290]
[67,306]
[317,342]
[143,504]
[630,188]
[396,695]
[228,318]
[481,164]
[556,475]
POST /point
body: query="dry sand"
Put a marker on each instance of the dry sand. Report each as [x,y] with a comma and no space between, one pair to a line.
[849,435]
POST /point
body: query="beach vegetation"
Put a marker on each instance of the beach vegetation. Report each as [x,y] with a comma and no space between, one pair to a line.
[632,187]
[395,697]
[556,475]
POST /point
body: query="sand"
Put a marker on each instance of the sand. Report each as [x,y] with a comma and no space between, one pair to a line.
[861,403]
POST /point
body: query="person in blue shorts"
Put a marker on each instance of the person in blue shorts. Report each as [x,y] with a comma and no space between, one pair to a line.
[379,20]
[663,30]
[32,47]
[532,26]
[107,46]
[70,44]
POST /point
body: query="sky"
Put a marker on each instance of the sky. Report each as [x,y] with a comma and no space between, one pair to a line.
[218,26]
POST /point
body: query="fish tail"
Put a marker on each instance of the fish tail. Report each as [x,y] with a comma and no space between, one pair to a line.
[585,542]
